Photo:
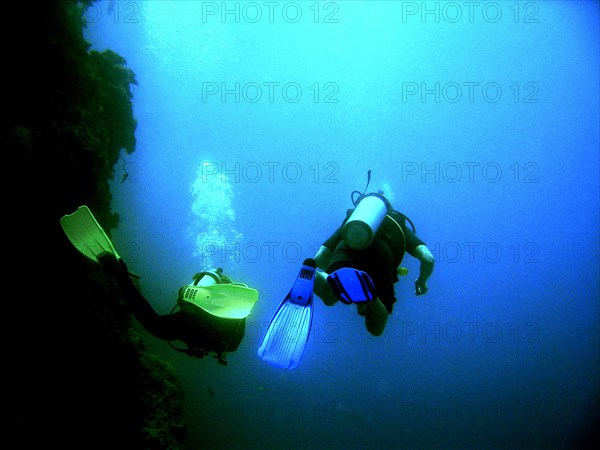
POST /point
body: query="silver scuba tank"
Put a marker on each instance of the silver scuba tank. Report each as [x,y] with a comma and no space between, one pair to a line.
[207,278]
[360,229]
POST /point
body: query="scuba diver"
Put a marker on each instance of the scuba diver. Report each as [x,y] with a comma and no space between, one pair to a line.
[210,313]
[360,261]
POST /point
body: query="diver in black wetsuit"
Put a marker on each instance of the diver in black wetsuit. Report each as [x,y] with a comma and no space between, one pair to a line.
[202,332]
[380,260]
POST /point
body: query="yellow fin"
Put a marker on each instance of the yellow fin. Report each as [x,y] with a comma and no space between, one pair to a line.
[229,301]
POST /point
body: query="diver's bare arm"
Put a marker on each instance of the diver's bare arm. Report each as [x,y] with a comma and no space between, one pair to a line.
[423,254]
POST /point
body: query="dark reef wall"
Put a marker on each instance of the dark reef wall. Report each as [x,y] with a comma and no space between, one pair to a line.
[75,372]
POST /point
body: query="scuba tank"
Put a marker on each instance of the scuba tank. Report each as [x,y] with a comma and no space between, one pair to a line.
[369,213]
[208,278]
[362,226]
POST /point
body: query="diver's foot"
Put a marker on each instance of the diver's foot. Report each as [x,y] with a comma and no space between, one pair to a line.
[376,316]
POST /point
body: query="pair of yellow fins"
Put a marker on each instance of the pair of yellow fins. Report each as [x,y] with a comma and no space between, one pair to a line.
[229,301]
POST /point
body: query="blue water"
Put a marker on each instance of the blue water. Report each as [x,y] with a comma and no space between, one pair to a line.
[257,120]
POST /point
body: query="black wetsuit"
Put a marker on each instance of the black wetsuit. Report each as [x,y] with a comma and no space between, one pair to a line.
[380,259]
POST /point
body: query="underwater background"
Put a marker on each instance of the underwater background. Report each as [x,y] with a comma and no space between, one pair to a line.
[255,122]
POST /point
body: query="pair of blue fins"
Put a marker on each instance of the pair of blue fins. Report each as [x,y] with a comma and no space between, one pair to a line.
[288,332]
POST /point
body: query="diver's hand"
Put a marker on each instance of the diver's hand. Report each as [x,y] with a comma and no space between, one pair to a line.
[420,287]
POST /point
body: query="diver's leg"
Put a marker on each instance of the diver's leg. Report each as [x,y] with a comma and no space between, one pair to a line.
[376,316]
[323,289]
[163,327]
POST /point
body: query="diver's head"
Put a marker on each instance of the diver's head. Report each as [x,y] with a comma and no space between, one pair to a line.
[385,198]
[386,190]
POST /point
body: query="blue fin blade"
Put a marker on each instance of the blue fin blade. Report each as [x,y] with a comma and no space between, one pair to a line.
[287,335]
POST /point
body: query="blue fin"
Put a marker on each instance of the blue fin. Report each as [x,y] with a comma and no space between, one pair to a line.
[351,285]
[286,337]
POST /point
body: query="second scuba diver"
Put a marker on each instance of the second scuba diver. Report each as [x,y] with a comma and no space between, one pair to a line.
[371,241]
